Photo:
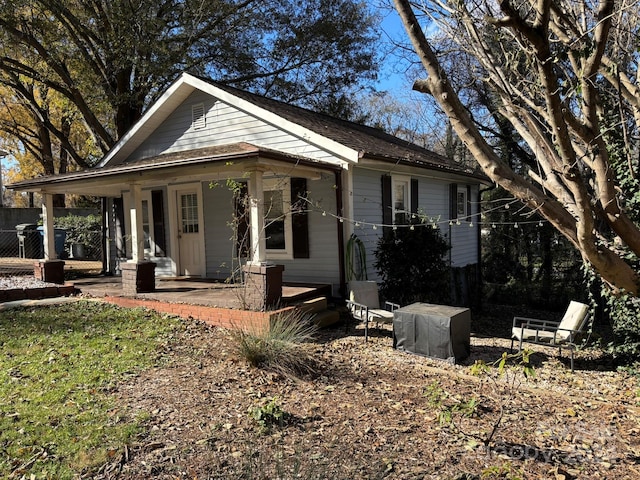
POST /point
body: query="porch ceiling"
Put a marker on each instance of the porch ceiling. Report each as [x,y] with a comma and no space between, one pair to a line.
[228,161]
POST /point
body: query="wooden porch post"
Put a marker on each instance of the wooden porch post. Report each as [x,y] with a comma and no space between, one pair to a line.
[49,269]
[48,230]
[263,282]
[256,217]
[138,275]
[137,233]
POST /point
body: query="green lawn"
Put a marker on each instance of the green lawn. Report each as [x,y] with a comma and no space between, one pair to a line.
[58,365]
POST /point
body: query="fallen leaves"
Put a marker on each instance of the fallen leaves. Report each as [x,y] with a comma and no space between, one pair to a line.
[366,416]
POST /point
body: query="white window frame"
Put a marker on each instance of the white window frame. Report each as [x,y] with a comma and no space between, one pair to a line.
[284,185]
[462,203]
[150,250]
[405,182]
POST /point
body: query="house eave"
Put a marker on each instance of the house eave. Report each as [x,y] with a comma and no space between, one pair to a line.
[439,170]
[233,161]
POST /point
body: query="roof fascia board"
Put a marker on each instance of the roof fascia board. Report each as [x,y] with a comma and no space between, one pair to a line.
[310,136]
[427,171]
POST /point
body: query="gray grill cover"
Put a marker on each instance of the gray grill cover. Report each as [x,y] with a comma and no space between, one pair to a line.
[433,330]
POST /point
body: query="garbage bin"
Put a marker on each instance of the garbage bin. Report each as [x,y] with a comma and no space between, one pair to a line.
[29,241]
[59,236]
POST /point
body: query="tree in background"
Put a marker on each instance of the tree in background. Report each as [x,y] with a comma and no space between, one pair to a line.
[95,65]
[570,64]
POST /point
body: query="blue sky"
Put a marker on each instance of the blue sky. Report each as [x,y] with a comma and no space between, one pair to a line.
[392,76]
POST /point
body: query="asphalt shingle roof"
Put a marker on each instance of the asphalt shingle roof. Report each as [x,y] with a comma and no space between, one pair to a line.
[370,142]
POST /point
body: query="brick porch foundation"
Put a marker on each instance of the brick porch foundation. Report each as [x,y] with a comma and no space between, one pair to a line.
[138,277]
[51,271]
[218,317]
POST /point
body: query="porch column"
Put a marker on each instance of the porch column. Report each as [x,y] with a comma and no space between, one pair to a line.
[138,274]
[49,269]
[263,282]
[48,230]
[137,233]
[256,217]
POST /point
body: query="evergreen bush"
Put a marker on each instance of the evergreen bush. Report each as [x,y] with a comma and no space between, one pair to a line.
[413,267]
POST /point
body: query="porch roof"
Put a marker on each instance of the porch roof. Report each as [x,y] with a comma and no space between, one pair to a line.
[198,162]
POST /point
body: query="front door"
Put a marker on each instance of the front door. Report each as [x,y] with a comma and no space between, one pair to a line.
[190,234]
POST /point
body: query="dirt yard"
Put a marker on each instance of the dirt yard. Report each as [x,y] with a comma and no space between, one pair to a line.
[372,412]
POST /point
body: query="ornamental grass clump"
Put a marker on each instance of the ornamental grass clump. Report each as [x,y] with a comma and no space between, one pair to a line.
[277,346]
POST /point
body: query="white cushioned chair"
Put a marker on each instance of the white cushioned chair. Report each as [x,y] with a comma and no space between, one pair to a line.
[560,334]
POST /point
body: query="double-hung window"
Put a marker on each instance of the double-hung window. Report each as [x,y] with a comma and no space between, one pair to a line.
[401,199]
[277,221]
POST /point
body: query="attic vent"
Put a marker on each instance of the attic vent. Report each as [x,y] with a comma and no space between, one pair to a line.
[198,119]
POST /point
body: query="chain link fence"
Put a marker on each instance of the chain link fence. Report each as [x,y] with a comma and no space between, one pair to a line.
[22,246]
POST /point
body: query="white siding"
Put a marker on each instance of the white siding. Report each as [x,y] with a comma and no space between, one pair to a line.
[224,124]
[433,201]
[321,267]
[367,209]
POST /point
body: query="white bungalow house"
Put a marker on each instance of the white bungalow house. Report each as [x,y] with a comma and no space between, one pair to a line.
[171,191]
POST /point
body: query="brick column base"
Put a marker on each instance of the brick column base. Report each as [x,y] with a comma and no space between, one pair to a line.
[263,286]
[138,277]
[51,271]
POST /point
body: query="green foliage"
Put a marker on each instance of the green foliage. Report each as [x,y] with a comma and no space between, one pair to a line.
[57,368]
[530,264]
[277,346]
[520,359]
[268,415]
[624,311]
[412,266]
[301,52]
[448,406]
[80,229]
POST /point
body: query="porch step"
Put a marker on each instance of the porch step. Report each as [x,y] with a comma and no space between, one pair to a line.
[318,307]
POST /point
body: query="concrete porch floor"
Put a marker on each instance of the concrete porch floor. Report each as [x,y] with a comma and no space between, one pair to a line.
[194,291]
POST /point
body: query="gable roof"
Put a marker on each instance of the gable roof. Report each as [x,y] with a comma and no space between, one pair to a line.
[367,141]
[346,140]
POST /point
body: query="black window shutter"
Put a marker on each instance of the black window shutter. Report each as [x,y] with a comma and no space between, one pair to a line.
[414,200]
[159,236]
[387,207]
[469,203]
[299,218]
[453,201]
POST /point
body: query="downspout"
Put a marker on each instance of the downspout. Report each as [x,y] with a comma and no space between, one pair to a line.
[339,207]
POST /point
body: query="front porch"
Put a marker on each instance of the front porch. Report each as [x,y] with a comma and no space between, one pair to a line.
[196,291]
[215,303]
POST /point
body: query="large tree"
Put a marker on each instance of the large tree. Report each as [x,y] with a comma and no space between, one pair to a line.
[107,60]
[564,75]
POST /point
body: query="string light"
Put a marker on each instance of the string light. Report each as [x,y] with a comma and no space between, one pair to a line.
[425,220]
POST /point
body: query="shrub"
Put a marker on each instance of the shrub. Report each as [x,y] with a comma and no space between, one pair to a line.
[413,267]
[81,230]
[269,415]
[276,347]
